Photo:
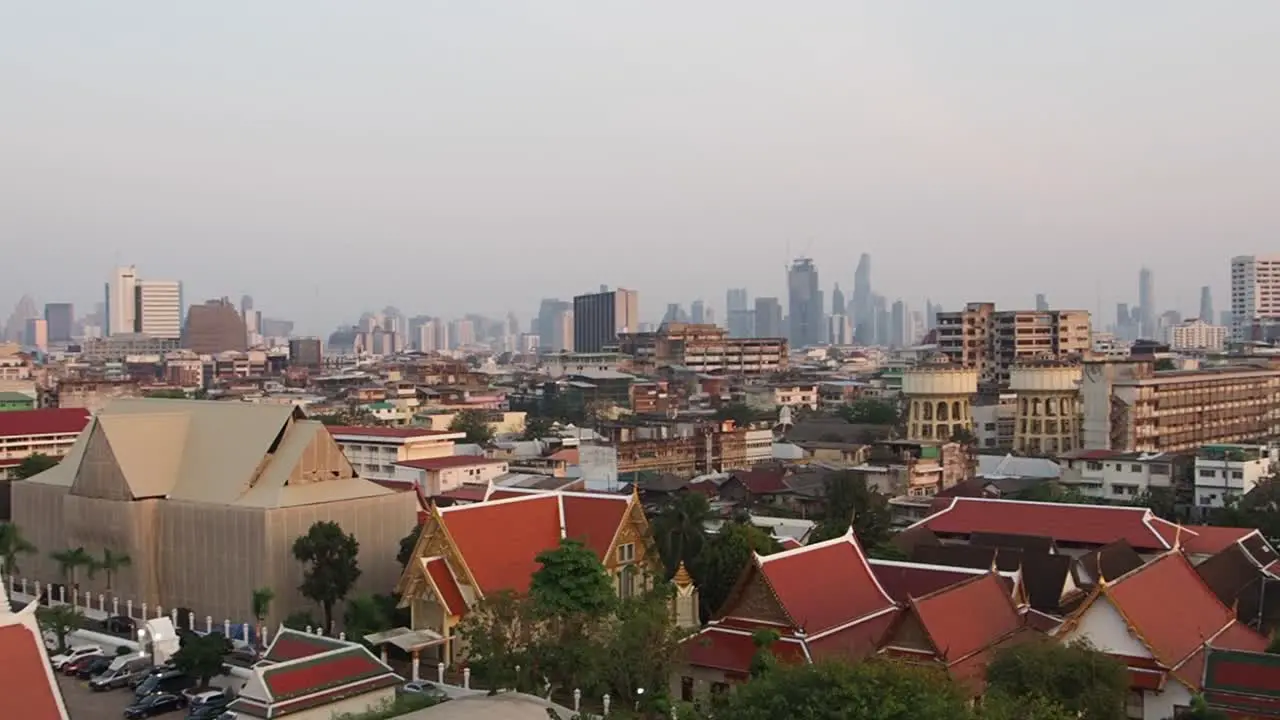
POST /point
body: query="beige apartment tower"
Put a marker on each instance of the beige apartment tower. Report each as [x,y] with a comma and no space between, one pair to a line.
[993,341]
[1047,420]
[939,399]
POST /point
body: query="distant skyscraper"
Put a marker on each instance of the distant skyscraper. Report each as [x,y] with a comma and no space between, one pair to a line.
[863,313]
[305,352]
[883,320]
[598,318]
[804,306]
[675,313]
[122,301]
[15,328]
[739,316]
[61,318]
[1042,302]
[548,311]
[1147,305]
[214,327]
[37,334]
[562,331]
[898,324]
[1206,305]
[838,306]
[768,317]
[159,308]
[698,312]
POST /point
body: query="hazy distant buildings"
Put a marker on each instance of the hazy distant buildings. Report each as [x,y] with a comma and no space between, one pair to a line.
[61,319]
[1206,305]
[463,333]
[121,301]
[159,308]
[861,308]
[1042,302]
[598,318]
[548,312]
[698,313]
[804,304]
[1147,329]
[214,327]
[994,341]
[306,352]
[1255,296]
[768,318]
[1194,335]
[36,335]
[739,317]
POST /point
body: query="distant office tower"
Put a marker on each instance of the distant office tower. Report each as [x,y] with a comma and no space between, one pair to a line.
[122,301]
[931,315]
[838,306]
[1255,296]
[61,318]
[424,334]
[464,333]
[675,313]
[840,329]
[274,328]
[804,304]
[548,311]
[159,308]
[36,335]
[739,316]
[898,324]
[1147,305]
[1206,305]
[598,318]
[1225,318]
[768,318]
[305,352]
[1042,302]
[443,341]
[562,331]
[708,315]
[698,312]
[863,313]
[214,327]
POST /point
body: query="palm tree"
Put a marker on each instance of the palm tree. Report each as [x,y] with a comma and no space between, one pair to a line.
[71,560]
[12,544]
[679,529]
[262,598]
[110,564]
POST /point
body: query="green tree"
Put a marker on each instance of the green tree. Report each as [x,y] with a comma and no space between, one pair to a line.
[498,634]
[261,604]
[847,500]
[201,656]
[1200,710]
[12,545]
[167,394]
[741,415]
[365,615]
[70,561]
[332,568]
[869,411]
[1166,364]
[1053,492]
[536,427]
[641,647]
[871,690]
[300,620]
[764,660]
[1161,500]
[407,544]
[33,465]
[475,424]
[679,530]
[571,582]
[1074,676]
[61,620]
[1259,508]
[723,559]
[998,706]
[112,563]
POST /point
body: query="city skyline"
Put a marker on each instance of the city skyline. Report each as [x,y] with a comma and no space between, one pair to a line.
[567,163]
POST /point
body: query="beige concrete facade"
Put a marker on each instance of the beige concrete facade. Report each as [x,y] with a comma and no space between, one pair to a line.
[938,401]
[993,341]
[207,499]
[1048,408]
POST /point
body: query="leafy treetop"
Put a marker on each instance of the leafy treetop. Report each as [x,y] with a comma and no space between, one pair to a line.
[332,568]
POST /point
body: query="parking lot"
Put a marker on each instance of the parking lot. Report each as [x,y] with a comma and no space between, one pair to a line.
[85,704]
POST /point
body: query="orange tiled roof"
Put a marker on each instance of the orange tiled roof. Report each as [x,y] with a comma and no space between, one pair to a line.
[446,586]
[824,585]
[26,686]
[1084,524]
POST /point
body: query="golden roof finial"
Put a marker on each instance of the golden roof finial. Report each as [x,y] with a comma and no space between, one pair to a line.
[682,577]
[1102,576]
[1177,537]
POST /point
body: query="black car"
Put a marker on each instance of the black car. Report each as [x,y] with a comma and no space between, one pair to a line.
[121,625]
[154,705]
[209,710]
[171,682]
[93,667]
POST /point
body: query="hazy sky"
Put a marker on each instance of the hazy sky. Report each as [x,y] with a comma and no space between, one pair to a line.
[329,157]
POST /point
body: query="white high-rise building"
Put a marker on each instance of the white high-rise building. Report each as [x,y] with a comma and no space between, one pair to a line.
[121,301]
[1197,334]
[1255,293]
[160,308]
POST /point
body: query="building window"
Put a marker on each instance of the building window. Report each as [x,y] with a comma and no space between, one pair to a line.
[626,553]
[719,688]
[1237,475]
[1117,490]
[1135,468]
[1133,705]
[686,688]
[1208,473]
[1093,465]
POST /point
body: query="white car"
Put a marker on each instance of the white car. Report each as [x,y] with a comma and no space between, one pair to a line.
[74,653]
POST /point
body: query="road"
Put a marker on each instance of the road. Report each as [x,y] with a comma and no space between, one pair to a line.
[85,704]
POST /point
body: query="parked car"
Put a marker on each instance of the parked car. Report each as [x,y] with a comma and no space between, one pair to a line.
[121,625]
[208,705]
[421,687]
[74,653]
[120,672]
[154,705]
[72,667]
[94,665]
[172,681]
[156,670]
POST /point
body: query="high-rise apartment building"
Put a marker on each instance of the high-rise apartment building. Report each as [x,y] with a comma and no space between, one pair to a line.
[768,318]
[1197,335]
[739,316]
[1255,296]
[598,318]
[994,341]
[159,308]
[61,318]
[804,304]
[122,301]
[36,335]
[463,332]
[1147,326]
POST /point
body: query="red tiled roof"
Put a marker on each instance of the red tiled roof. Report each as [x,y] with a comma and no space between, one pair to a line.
[508,493]
[499,540]
[46,421]
[292,645]
[731,649]
[824,585]
[449,462]
[856,641]
[446,586]
[789,543]
[1085,524]
[291,680]
[467,492]
[706,487]
[594,520]
[401,433]
[1246,682]
[569,455]
[1211,540]
[1176,631]
[27,689]
[967,617]
[763,481]
[905,580]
